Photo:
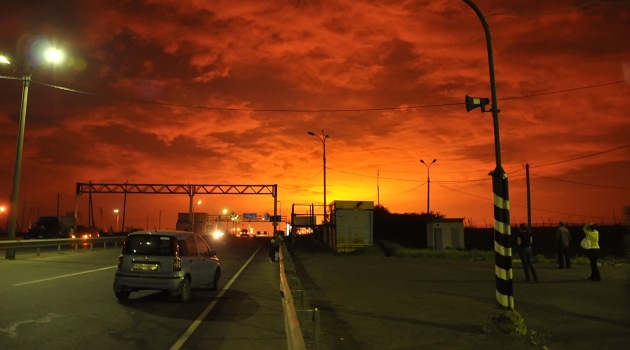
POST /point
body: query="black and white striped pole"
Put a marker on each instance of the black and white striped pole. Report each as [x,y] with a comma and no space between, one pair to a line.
[502,233]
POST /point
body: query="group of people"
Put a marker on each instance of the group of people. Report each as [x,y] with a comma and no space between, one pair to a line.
[563,239]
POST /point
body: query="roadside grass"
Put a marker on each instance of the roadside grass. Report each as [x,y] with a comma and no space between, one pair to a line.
[388,248]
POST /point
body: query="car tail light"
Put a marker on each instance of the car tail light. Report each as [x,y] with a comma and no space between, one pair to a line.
[177,260]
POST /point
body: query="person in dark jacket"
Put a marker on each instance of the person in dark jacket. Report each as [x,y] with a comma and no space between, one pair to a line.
[563,239]
[524,242]
[274,246]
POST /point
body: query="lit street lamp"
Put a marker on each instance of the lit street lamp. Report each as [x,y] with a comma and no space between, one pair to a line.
[323,140]
[192,216]
[116,211]
[3,210]
[50,55]
[227,228]
[428,186]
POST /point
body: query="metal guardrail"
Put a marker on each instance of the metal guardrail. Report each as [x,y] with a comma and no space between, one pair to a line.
[61,242]
[300,323]
[295,340]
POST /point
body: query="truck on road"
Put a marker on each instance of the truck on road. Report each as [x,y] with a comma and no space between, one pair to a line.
[53,227]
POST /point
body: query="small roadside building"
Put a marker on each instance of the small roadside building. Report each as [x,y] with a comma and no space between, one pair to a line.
[445,234]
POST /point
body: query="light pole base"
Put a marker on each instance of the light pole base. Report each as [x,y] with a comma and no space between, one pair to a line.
[505,321]
[10,254]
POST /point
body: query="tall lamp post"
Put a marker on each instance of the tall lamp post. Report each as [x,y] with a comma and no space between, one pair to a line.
[227,226]
[428,185]
[50,55]
[502,232]
[117,212]
[323,140]
[3,209]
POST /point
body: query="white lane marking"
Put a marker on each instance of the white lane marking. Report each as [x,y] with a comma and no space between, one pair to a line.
[180,342]
[64,276]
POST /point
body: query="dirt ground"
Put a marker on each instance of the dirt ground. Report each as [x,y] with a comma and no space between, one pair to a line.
[377,302]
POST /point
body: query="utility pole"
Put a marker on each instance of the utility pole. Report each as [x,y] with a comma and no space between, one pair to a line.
[378,188]
[529,201]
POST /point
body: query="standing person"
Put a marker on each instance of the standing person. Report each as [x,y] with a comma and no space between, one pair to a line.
[279,241]
[273,246]
[563,238]
[592,236]
[524,242]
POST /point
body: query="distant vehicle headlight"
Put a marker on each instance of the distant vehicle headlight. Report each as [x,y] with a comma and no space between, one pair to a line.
[217,234]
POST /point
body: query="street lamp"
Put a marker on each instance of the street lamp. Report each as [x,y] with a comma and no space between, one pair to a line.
[227,228]
[502,241]
[428,185]
[192,215]
[323,140]
[50,55]
[116,211]
[3,210]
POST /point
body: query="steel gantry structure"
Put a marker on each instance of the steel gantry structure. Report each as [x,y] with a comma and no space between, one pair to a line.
[189,189]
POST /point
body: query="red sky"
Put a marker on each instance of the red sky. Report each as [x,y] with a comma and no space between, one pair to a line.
[224,92]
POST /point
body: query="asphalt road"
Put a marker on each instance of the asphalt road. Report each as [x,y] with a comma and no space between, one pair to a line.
[377,302]
[366,302]
[65,301]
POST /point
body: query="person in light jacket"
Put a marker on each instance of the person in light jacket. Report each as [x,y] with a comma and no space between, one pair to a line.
[592,235]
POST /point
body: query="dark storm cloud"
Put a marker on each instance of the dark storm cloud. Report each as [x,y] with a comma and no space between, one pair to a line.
[173,91]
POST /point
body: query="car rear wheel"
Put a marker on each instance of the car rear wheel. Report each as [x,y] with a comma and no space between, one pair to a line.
[215,279]
[122,295]
[184,290]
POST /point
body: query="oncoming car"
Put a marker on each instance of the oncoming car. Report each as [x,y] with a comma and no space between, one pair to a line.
[85,232]
[217,235]
[172,261]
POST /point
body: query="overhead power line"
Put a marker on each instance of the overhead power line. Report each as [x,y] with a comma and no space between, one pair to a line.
[304,184]
[580,183]
[300,110]
[582,156]
[560,11]
[564,91]
[374,177]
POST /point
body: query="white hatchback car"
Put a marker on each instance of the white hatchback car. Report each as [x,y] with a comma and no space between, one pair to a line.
[172,261]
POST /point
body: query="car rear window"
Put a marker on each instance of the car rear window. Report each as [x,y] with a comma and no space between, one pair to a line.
[149,245]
